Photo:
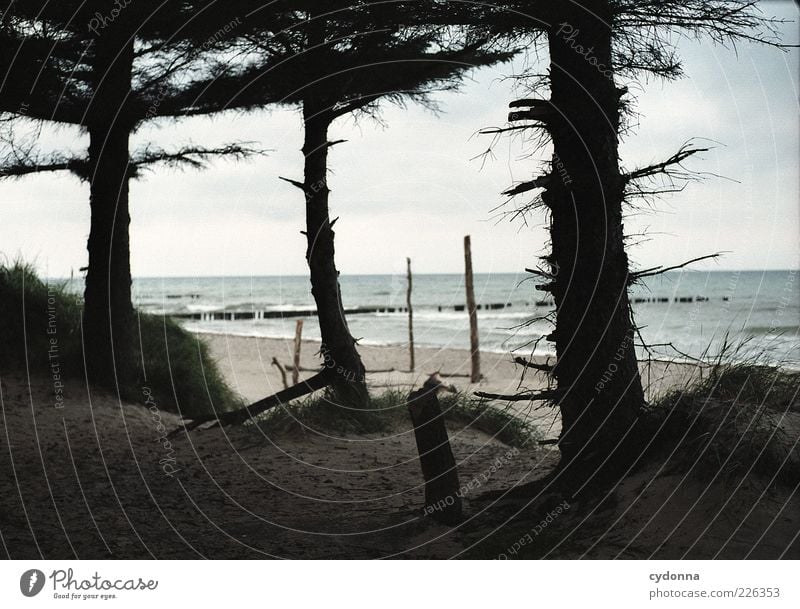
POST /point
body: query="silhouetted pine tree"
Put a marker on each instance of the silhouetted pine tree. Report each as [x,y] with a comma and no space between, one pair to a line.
[332,60]
[590,43]
[107,67]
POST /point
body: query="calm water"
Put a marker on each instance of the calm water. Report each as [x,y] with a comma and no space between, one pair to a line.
[758,310]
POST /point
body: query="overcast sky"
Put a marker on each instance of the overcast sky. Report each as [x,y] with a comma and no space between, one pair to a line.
[410,188]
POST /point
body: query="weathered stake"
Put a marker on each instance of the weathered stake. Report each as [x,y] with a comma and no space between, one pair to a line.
[442,497]
[298,336]
[475,375]
[410,318]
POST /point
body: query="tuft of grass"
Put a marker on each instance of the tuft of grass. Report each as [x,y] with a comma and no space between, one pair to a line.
[499,423]
[178,369]
[388,413]
[40,323]
[741,418]
[40,331]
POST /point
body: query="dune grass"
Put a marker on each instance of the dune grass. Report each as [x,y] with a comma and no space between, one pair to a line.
[388,413]
[737,427]
[740,419]
[180,371]
[40,322]
[40,328]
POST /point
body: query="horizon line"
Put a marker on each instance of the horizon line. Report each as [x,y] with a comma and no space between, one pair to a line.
[304,275]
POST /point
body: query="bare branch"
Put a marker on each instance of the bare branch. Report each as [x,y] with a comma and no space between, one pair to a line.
[294,183]
[659,270]
[529,364]
[666,167]
[540,182]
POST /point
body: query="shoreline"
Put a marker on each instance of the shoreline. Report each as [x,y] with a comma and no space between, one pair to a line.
[683,361]
[246,363]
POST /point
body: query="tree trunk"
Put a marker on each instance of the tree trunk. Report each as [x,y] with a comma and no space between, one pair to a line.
[108,313]
[596,370]
[338,346]
[442,497]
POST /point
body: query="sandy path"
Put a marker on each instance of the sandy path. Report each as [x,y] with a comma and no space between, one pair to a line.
[247,364]
[97,481]
[97,478]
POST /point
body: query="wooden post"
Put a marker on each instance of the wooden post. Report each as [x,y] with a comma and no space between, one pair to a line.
[410,317]
[298,335]
[475,374]
[442,496]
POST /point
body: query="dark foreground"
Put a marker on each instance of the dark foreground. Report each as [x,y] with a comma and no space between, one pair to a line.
[96,479]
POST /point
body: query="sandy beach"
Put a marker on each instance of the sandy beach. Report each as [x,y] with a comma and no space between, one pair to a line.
[246,363]
[98,478]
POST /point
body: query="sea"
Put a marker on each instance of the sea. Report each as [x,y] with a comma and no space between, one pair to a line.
[684,315]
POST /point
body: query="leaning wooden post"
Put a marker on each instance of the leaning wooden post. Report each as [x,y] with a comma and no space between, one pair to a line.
[410,317]
[475,374]
[442,496]
[298,336]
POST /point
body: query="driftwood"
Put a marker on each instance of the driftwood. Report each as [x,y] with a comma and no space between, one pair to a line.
[541,396]
[237,417]
[442,499]
[291,368]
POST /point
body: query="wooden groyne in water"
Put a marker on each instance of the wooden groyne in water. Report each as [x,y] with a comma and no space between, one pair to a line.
[234,315]
[459,308]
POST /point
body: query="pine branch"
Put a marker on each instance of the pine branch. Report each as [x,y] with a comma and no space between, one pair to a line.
[19,170]
[196,157]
